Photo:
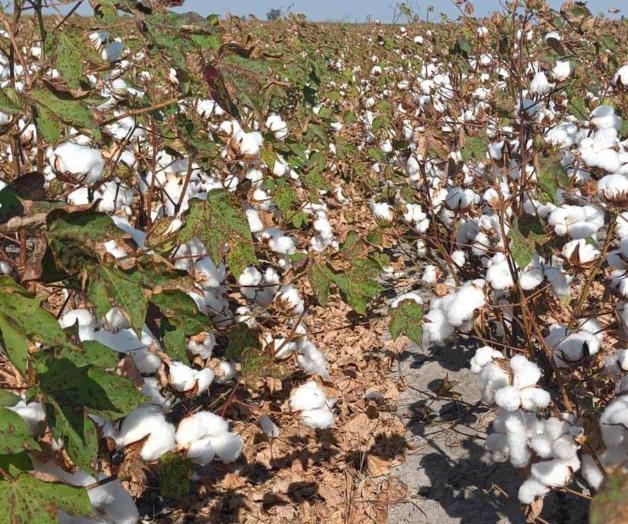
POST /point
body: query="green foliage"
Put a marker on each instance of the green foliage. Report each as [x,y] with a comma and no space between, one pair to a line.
[610,504]
[474,148]
[27,499]
[551,177]
[521,248]
[221,225]
[67,57]
[406,319]
[174,481]
[14,434]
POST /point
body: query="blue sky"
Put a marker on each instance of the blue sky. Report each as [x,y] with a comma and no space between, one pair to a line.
[351,10]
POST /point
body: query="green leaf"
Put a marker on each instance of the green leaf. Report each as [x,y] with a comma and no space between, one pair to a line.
[15,344]
[9,101]
[73,112]
[174,477]
[75,430]
[8,399]
[221,225]
[406,319]
[549,178]
[83,226]
[241,338]
[10,204]
[320,277]
[181,311]
[174,341]
[27,499]
[14,434]
[474,148]
[15,463]
[521,248]
[48,125]
[124,290]
[610,504]
[67,57]
[358,286]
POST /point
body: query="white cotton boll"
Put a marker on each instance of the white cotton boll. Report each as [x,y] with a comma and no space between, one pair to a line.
[226,372]
[492,378]
[580,251]
[208,108]
[382,211]
[621,76]
[291,298]
[430,274]
[307,397]
[227,446]
[145,361]
[255,222]
[436,328]
[564,448]
[540,85]
[152,390]
[181,377]
[321,418]
[465,302]
[533,399]
[613,187]
[201,451]
[312,360]
[85,163]
[115,320]
[112,500]
[204,378]
[572,348]
[561,70]
[498,273]
[458,258]
[277,126]
[525,373]
[202,348]
[32,413]
[249,278]
[269,428]
[517,440]
[459,198]
[482,357]
[614,422]
[200,425]
[553,473]
[249,144]
[591,473]
[508,398]
[531,490]
[542,445]
[147,420]
[604,117]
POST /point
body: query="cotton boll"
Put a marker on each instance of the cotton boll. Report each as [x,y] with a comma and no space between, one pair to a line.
[591,473]
[269,428]
[204,378]
[517,440]
[533,399]
[198,426]
[436,328]
[542,445]
[307,397]
[613,187]
[466,301]
[580,252]
[226,372]
[201,451]
[561,70]
[85,163]
[146,362]
[540,85]
[491,379]
[508,398]
[202,345]
[604,117]
[249,278]
[181,377]
[143,421]
[526,373]
[255,222]
[564,448]
[482,357]
[382,211]
[277,126]
[227,446]
[458,258]
[321,418]
[290,297]
[311,360]
[531,490]
[430,274]
[152,390]
[498,273]
[553,473]
[414,297]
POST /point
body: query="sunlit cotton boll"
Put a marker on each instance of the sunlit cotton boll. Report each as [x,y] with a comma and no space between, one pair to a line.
[143,421]
[277,126]
[382,211]
[561,70]
[312,402]
[312,360]
[84,163]
[540,85]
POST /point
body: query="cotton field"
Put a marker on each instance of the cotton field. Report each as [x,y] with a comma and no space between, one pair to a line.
[217,237]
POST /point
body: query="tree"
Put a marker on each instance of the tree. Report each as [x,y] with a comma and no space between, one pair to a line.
[273,14]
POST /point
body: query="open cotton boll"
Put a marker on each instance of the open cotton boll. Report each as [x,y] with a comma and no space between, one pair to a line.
[577,221]
[198,426]
[249,278]
[321,418]
[290,297]
[277,126]
[202,345]
[540,85]
[147,420]
[430,274]
[525,373]
[614,422]
[553,473]
[406,296]
[498,273]
[201,451]
[508,398]
[307,397]
[482,357]
[227,446]
[469,298]
[184,378]
[613,187]
[517,439]
[312,360]
[561,70]
[436,328]
[571,349]
[152,390]
[621,76]
[604,117]
[269,428]
[255,222]
[531,490]
[491,379]
[226,372]
[382,211]
[84,163]
[533,399]
[580,252]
